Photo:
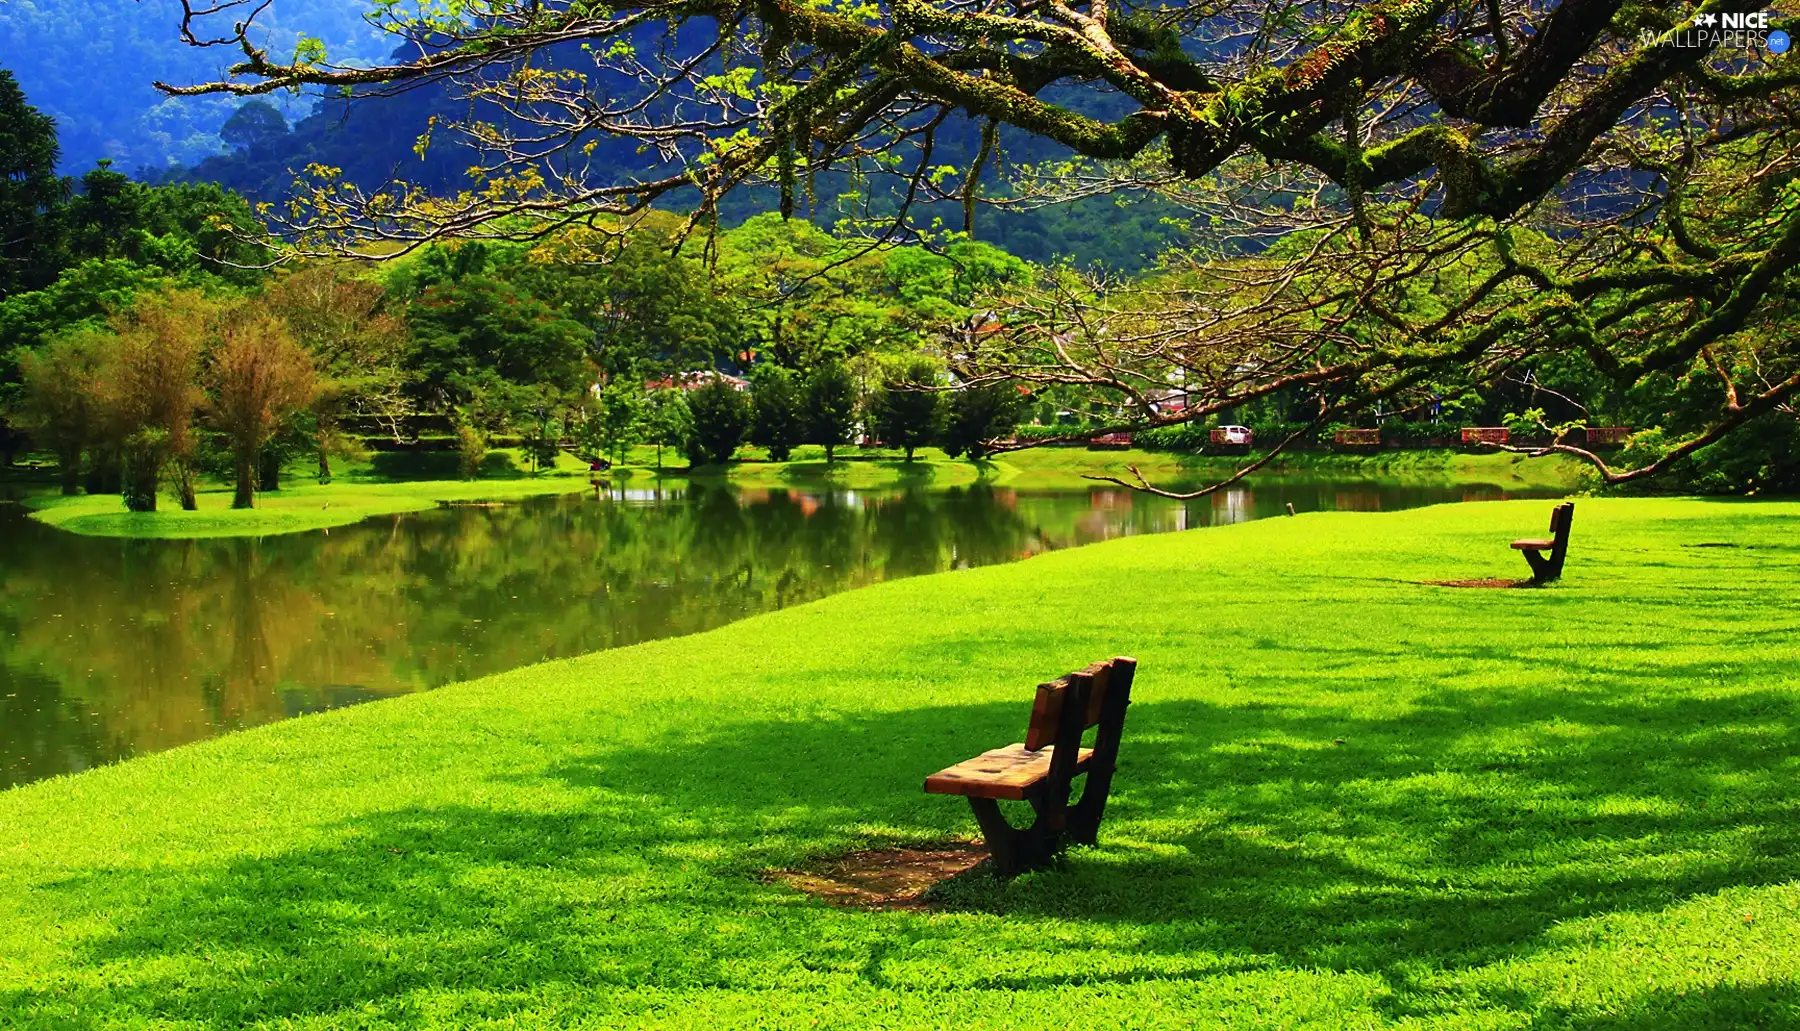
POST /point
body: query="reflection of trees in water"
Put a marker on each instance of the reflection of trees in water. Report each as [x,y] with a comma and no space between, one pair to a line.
[167,642]
[133,646]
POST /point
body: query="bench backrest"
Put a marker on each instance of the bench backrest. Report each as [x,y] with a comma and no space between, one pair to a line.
[1098,679]
[1560,518]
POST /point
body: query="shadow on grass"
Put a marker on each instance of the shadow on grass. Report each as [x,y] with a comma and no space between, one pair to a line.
[1266,837]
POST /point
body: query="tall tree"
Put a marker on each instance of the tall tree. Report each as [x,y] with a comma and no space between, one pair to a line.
[667,420]
[830,407]
[257,378]
[30,191]
[978,418]
[649,310]
[906,411]
[150,390]
[721,417]
[478,325]
[357,347]
[61,397]
[779,419]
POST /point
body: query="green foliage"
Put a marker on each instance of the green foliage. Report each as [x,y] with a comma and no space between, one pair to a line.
[471,450]
[477,332]
[976,415]
[186,229]
[905,412]
[618,418]
[667,420]
[29,192]
[81,296]
[829,406]
[1760,459]
[721,418]
[779,419]
[649,311]
[254,127]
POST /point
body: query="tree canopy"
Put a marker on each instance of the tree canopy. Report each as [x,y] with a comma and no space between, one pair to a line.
[1475,189]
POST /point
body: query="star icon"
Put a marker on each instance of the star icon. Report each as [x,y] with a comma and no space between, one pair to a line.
[1703,20]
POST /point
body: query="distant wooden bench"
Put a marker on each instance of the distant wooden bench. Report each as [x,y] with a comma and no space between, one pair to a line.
[1486,435]
[1545,568]
[1111,440]
[1358,438]
[1042,769]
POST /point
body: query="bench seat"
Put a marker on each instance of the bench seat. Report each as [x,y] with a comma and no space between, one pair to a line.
[1533,544]
[1007,773]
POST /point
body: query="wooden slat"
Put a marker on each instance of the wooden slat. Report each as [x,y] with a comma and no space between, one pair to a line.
[1533,545]
[1007,773]
[1102,673]
[1046,713]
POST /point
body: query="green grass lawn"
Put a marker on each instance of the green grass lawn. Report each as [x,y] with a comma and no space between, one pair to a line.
[302,504]
[1346,800]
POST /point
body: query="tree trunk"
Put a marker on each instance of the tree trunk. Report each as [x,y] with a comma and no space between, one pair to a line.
[829,448]
[246,482]
[268,470]
[324,460]
[68,468]
[104,475]
[140,482]
[909,452]
[184,474]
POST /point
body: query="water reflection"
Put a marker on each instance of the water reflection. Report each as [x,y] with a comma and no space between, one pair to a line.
[112,648]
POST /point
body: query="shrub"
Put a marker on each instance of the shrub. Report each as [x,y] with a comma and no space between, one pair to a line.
[777,423]
[906,413]
[830,406]
[721,417]
[471,451]
[977,415]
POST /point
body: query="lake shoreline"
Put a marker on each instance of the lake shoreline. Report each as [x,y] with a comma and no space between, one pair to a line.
[356,496]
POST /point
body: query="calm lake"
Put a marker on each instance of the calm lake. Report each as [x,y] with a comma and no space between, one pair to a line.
[113,648]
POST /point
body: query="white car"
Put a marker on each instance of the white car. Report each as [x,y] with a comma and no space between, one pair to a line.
[1235,435]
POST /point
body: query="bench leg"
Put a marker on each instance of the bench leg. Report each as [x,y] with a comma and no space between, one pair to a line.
[1540,566]
[1085,815]
[1012,849]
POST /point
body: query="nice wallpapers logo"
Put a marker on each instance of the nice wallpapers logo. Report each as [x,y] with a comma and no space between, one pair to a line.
[1736,31]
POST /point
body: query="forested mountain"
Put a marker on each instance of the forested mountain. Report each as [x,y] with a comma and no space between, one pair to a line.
[90,63]
[376,140]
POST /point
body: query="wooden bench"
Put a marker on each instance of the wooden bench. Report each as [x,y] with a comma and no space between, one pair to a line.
[1545,568]
[1041,770]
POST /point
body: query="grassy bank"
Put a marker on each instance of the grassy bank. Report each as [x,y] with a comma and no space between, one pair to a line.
[387,485]
[1345,800]
[1063,468]
[298,507]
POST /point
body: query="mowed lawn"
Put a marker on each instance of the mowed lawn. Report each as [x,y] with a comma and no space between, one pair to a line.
[1346,800]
